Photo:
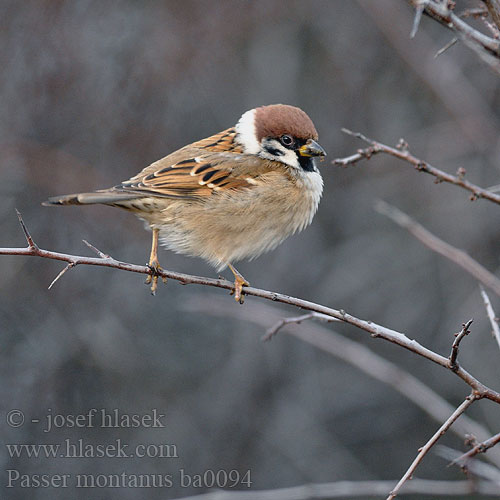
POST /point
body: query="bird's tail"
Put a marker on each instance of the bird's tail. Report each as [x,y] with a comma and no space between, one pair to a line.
[106,197]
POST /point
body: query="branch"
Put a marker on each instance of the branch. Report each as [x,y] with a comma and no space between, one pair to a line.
[474,468]
[478,448]
[491,316]
[351,489]
[401,152]
[375,330]
[439,246]
[357,355]
[271,332]
[487,48]
[432,441]
[493,7]
[454,348]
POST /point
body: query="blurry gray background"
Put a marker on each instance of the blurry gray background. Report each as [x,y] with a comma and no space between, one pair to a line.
[91,92]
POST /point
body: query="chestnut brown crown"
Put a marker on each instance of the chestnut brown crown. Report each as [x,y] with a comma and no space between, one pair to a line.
[278,119]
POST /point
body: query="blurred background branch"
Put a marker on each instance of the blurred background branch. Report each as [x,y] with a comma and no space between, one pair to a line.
[439,246]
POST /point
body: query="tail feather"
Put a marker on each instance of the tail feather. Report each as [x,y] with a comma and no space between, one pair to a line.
[104,197]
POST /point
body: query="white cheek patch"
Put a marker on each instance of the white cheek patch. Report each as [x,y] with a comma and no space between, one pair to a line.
[245,129]
[273,150]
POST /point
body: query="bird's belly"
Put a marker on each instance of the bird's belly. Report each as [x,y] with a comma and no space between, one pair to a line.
[238,227]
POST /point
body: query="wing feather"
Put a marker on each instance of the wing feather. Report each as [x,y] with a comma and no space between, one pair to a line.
[200,175]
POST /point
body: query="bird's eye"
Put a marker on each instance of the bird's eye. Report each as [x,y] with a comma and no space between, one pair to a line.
[286,140]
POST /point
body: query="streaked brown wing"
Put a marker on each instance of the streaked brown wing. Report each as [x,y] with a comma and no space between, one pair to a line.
[187,178]
[223,141]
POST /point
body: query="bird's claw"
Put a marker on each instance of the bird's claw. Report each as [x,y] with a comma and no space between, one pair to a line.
[239,283]
[155,269]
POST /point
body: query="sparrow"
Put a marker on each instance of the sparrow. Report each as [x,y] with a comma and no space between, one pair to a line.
[232,196]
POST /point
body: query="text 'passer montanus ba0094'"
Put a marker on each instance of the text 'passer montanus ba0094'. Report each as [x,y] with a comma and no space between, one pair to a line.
[231,196]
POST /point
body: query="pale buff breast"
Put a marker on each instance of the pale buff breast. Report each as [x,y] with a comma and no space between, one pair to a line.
[232,226]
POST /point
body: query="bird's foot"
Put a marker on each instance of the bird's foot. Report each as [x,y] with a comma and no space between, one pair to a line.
[239,283]
[152,279]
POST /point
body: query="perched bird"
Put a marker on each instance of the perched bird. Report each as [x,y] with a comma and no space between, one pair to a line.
[231,196]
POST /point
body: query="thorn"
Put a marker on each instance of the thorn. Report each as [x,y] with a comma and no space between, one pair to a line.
[450,44]
[69,266]
[418,16]
[97,251]
[27,235]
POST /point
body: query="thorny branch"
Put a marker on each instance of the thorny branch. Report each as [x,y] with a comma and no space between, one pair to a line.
[271,332]
[354,353]
[401,151]
[478,448]
[487,48]
[432,441]
[374,329]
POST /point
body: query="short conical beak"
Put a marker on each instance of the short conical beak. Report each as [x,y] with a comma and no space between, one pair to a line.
[311,148]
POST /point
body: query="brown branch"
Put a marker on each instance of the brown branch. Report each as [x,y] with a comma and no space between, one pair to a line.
[439,246]
[401,152]
[487,48]
[352,489]
[271,332]
[473,468]
[349,351]
[491,316]
[432,441]
[478,448]
[375,330]
[454,348]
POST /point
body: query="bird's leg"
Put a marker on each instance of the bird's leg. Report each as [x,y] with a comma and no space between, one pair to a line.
[239,283]
[154,263]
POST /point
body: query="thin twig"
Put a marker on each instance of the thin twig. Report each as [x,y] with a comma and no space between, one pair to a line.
[459,257]
[474,12]
[271,332]
[432,441]
[374,329]
[478,448]
[96,250]
[67,268]
[491,316]
[474,468]
[442,50]
[402,153]
[456,343]
[353,489]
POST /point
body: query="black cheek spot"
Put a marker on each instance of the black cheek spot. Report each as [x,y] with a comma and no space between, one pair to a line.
[273,151]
